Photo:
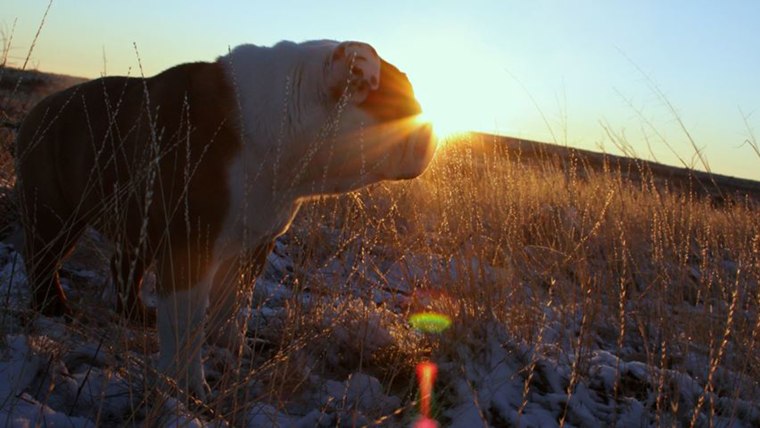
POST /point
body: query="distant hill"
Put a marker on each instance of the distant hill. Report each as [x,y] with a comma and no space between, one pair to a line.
[20,90]
[720,188]
[33,80]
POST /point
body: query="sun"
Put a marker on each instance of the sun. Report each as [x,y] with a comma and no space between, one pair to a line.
[443,128]
[446,111]
[460,89]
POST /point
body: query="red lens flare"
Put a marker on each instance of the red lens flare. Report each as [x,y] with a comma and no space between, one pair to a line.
[425,423]
[426,373]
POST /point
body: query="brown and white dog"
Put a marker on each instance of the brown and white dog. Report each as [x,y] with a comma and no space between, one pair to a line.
[198,169]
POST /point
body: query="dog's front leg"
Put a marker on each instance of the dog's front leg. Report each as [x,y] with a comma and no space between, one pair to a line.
[180,328]
[231,289]
[224,327]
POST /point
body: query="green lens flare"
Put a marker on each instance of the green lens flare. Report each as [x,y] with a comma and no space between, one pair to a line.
[430,322]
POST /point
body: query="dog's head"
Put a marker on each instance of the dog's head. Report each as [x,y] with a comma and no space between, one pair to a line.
[374,131]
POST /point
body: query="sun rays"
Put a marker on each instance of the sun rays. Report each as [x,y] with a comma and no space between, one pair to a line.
[460,88]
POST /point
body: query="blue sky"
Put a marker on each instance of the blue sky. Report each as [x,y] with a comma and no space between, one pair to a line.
[546,70]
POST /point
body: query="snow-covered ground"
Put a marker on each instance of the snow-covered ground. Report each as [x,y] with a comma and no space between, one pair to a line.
[90,372]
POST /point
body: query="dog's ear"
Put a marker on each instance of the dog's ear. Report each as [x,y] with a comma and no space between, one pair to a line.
[354,69]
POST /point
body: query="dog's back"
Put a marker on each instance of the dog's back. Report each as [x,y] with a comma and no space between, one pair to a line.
[107,152]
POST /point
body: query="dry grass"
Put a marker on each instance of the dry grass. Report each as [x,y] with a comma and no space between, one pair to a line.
[568,261]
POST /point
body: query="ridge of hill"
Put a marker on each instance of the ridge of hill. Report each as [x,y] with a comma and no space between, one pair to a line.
[721,189]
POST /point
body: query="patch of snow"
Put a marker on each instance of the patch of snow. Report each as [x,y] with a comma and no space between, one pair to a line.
[102,394]
[366,392]
[14,292]
[265,415]
[175,415]
[279,263]
[270,293]
[26,412]
[19,369]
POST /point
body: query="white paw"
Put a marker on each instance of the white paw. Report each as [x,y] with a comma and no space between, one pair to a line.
[180,381]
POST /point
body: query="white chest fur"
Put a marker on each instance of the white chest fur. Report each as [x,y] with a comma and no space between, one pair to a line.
[256,214]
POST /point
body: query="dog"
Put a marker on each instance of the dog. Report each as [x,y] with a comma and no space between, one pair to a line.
[198,169]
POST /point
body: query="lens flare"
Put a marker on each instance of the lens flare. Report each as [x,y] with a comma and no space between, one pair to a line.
[430,322]
[426,373]
[426,423]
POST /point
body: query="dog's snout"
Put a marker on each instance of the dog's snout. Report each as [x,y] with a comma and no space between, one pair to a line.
[425,140]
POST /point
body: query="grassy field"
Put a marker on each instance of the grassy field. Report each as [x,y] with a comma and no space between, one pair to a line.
[571,264]
[580,292]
